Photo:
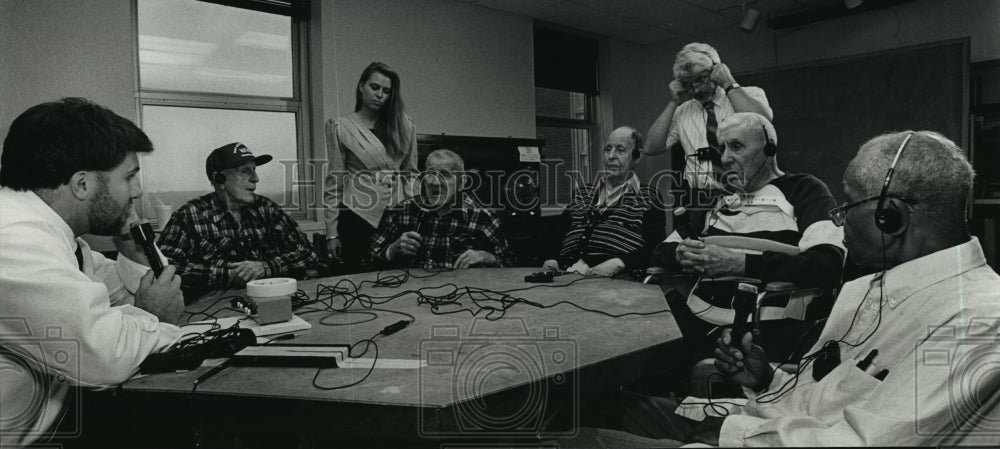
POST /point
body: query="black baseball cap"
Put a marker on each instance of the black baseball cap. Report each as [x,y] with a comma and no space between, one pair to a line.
[230,156]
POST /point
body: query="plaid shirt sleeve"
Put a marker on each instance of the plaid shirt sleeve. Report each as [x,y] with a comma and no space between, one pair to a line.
[297,252]
[178,242]
[488,231]
[386,235]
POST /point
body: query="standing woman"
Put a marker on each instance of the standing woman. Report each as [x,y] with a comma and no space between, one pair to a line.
[372,152]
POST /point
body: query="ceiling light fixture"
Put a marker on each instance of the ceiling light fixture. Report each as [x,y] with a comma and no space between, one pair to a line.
[750,17]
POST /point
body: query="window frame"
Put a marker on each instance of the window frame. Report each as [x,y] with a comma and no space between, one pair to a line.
[582,161]
[297,104]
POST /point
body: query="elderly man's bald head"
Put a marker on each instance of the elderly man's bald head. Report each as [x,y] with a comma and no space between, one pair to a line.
[931,171]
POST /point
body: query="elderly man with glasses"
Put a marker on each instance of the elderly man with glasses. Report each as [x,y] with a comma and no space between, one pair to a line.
[908,356]
[702,94]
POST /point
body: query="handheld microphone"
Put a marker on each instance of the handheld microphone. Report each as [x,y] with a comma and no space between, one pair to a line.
[744,304]
[683,226]
[707,154]
[543,276]
[143,235]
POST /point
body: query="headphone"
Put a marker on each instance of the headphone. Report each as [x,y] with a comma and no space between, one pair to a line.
[890,220]
[219,178]
[770,149]
[637,150]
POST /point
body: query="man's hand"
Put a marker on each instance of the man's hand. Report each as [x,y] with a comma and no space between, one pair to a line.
[474,257]
[721,75]
[676,90]
[550,265]
[709,260]
[406,245]
[246,271]
[707,431]
[608,268]
[161,296]
[746,365]
[124,243]
[335,248]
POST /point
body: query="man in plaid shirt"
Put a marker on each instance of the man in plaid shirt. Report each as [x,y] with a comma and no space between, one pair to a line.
[440,228]
[232,236]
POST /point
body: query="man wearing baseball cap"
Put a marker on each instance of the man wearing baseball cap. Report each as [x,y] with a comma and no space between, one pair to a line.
[232,235]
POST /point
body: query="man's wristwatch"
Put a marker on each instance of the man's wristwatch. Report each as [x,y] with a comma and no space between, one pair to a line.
[328,238]
[732,86]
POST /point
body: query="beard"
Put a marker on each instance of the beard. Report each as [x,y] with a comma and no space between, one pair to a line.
[106,217]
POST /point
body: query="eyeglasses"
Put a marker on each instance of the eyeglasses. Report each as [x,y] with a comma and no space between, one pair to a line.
[839,214]
[697,80]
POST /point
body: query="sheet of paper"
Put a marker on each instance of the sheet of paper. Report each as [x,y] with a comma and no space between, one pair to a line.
[529,154]
[293,325]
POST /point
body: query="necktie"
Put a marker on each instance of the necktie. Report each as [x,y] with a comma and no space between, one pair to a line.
[711,125]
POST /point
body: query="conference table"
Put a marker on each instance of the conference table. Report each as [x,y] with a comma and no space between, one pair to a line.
[486,356]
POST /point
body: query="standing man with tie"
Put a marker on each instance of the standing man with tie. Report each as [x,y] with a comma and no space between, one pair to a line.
[711,95]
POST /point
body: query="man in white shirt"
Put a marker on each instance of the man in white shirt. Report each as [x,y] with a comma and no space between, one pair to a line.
[908,356]
[72,318]
[702,94]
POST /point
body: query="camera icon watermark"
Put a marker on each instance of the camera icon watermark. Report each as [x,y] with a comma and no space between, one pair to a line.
[498,381]
[36,384]
[969,365]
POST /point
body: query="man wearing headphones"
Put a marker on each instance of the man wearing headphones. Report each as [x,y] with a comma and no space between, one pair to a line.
[611,224]
[702,94]
[908,355]
[771,211]
[232,235]
[915,343]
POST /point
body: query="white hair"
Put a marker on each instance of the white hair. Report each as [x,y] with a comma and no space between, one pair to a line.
[693,58]
[931,171]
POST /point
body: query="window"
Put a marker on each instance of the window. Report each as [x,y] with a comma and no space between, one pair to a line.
[209,75]
[566,91]
[565,121]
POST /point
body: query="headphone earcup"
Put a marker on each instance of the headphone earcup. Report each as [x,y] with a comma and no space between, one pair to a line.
[770,149]
[888,220]
[637,148]
[219,178]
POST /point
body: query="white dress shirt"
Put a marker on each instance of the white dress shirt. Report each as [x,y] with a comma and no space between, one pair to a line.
[688,128]
[61,326]
[937,337]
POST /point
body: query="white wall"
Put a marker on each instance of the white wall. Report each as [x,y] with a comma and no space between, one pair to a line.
[51,49]
[464,69]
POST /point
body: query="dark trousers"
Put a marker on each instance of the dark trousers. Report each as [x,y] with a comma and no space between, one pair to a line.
[356,237]
[636,421]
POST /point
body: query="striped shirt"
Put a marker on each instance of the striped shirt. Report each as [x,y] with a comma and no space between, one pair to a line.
[626,228]
[688,128]
[792,209]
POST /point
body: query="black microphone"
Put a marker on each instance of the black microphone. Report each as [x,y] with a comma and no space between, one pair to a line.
[744,304]
[683,226]
[143,235]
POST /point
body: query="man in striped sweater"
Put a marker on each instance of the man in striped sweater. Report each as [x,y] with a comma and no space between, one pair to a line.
[612,223]
[776,228]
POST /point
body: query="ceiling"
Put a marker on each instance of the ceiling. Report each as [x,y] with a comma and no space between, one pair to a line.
[647,21]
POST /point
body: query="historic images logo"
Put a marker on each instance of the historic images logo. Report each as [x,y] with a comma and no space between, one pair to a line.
[499,380]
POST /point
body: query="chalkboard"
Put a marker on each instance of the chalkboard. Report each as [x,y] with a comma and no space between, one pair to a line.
[824,111]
